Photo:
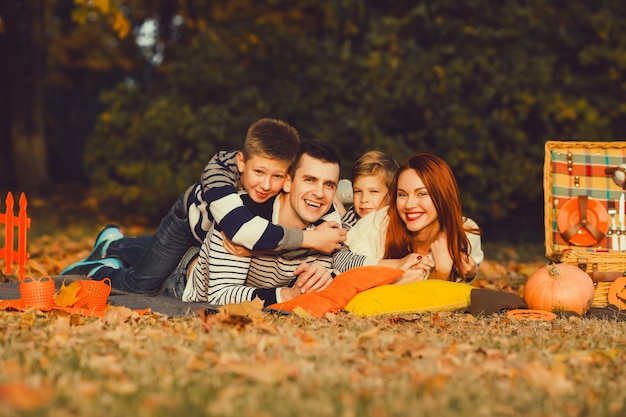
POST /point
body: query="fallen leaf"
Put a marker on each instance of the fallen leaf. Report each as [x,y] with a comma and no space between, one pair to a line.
[272,372]
[300,312]
[115,314]
[554,381]
[252,308]
[67,295]
[24,397]
[122,386]
[367,335]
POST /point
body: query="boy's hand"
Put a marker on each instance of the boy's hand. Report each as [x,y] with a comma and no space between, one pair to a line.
[235,249]
[326,238]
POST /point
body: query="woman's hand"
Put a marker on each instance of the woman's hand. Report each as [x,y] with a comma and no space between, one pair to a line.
[470,268]
[419,272]
[441,257]
[406,263]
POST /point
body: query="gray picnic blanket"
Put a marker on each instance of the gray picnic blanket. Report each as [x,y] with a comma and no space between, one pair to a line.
[483,302]
[171,307]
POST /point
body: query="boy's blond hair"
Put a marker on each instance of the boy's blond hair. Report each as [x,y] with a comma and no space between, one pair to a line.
[375,163]
[273,139]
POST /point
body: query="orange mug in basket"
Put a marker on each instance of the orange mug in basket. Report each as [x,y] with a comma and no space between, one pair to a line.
[38,292]
[93,294]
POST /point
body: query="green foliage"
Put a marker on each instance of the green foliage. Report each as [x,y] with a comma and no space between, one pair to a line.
[145,152]
[482,83]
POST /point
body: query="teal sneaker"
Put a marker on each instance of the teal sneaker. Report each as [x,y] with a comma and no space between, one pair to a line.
[89,268]
[109,233]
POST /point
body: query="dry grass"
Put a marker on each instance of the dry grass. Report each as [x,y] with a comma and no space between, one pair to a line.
[430,365]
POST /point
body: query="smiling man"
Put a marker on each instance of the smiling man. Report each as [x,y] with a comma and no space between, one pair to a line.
[219,277]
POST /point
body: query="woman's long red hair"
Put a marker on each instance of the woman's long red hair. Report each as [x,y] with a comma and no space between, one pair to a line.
[443,189]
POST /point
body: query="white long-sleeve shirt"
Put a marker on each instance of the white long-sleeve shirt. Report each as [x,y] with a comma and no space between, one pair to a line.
[365,243]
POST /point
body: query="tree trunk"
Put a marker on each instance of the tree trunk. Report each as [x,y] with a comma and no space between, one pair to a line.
[25,53]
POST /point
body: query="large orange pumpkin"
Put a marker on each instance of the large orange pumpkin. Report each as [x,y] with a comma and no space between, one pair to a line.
[559,287]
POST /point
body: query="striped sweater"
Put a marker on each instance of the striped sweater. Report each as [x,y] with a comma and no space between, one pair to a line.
[349,219]
[221,278]
[215,199]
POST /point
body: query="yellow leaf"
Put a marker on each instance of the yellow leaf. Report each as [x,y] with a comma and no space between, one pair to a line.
[120,24]
[104,6]
[300,312]
[67,295]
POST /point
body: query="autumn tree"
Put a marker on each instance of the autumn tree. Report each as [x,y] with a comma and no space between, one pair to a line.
[59,55]
[481,83]
[22,45]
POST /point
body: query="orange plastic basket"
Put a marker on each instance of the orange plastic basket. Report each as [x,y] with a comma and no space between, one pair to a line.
[93,294]
[38,292]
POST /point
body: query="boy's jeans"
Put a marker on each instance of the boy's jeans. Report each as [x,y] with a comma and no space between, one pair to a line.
[151,258]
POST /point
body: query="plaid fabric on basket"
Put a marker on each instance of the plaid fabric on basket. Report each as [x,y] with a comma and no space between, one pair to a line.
[573,169]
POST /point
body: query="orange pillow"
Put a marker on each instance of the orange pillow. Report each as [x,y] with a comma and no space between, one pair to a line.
[343,288]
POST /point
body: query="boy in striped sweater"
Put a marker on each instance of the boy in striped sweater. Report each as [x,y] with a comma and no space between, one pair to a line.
[219,277]
[141,265]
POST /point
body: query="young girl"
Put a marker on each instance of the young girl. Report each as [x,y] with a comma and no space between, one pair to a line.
[371,177]
[423,230]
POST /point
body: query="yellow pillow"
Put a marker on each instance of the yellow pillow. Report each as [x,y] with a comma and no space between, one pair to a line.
[418,297]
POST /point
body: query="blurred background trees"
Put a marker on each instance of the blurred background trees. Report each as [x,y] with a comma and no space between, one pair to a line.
[137,95]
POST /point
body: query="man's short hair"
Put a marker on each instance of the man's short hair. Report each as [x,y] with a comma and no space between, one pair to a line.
[323,151]
[273,139]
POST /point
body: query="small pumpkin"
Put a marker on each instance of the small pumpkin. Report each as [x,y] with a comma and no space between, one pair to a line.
[559,287]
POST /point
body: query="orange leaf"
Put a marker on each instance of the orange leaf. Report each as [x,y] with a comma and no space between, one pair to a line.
[252,309]
[23,397]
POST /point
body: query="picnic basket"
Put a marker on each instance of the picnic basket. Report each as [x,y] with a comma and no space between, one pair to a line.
[581,195]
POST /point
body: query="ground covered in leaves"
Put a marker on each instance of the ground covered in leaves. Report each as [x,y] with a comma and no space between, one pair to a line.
[448,364]
[256,364]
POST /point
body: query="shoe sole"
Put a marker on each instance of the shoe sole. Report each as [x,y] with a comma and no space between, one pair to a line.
[110,263]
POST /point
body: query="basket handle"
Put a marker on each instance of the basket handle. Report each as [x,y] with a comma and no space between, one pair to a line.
[613,170]
[608,276]
[42,278]
[107,281]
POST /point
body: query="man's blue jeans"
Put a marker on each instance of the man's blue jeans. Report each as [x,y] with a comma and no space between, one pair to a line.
[151,259]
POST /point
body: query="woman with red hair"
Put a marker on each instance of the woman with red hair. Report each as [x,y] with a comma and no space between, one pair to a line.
[422,231]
